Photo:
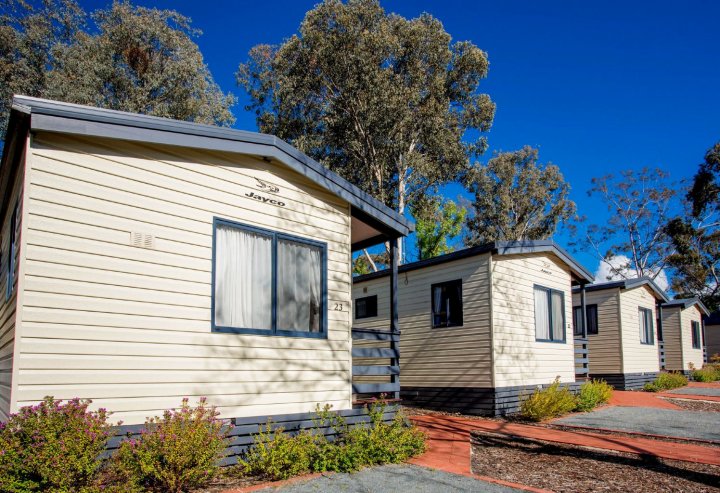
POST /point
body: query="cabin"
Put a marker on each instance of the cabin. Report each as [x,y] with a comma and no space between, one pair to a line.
[682,342]
[712,336]
[621,330]
[145,260]
[480,327]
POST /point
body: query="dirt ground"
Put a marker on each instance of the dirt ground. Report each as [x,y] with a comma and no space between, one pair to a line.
[568,470]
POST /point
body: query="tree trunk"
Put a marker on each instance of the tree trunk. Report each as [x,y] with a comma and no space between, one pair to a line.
[370,260]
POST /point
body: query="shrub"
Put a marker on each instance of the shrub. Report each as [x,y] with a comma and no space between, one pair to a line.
[592,394]
[550,402]
[666,381]
[52,447]
[181,450]
[708,373]
[277,455]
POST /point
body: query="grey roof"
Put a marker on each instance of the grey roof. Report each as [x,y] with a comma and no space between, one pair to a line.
[54,116]
[628,284]
[497,248]
[687,303]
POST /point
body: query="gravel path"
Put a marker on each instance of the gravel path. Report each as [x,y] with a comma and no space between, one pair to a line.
[393,479]
[683,424]
[709,391]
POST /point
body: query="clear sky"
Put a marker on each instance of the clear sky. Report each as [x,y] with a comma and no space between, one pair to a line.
[597,86]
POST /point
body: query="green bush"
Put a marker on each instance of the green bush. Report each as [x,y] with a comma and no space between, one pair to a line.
[181,450]
[592,394]
[277,455]
[53,447]
[708,373]
[550,402]
[666,381]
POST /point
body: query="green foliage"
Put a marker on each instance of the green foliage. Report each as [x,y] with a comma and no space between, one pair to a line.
[515,198]
[390,103]
[437,222]
[592,394]
[696,236]
[666,381]
[122,57]
[708,373]
[278,455]
[549,402]
[53,447]
[176,452]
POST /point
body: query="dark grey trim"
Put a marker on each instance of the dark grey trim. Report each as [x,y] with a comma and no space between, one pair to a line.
[497,248]
[15,137]
[485,401]
[687,303]
[627,284]
[53,116]
[241,437]
[453,283]
[647,314]
[627,381]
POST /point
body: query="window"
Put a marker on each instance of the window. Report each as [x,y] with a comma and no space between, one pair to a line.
[12,255]
[659,329]
[366,307]
[695,329]
[549,315]
[447,310]
[592,320]
[267,283]
[646,326]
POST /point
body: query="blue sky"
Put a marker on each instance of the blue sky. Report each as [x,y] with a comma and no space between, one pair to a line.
[598,87]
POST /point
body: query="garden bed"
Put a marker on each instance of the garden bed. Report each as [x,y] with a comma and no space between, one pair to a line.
[696,405]
[564,468]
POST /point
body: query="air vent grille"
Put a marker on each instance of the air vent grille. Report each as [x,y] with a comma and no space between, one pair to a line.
[142,240]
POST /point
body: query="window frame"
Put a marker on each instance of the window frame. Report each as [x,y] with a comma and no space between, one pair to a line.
[364,298]
[693,337]
[274,330]
[451,282]
[12,254]
[647,314]
[550,291]
[597,322]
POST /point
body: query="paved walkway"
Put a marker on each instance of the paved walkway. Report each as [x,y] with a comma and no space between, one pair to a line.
[640,399]
[449,433]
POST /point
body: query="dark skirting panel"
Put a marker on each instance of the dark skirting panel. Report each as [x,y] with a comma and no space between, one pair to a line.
[626,381]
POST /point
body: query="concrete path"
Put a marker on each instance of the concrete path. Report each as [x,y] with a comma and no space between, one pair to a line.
[651,421]
[392,479]
[446,430]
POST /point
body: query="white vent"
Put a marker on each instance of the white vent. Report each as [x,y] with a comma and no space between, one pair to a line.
[142,240]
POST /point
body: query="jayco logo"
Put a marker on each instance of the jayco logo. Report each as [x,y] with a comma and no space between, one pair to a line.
[264,200]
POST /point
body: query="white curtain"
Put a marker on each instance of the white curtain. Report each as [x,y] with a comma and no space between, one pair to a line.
[643,327]
[299,279]
[243,279]
[542,316]
[557,318]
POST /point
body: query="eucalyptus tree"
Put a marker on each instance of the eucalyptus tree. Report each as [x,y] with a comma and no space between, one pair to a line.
[516,198]
[437,223]
[392,104]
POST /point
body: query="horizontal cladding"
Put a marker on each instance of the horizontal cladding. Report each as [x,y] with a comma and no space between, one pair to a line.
[129,327]
[605,346]
[486,401]
[638,357]
[692,357]
[626,381]
[672,338]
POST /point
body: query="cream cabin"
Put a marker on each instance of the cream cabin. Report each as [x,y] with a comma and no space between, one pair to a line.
[145,260]
[621,330]
[711,324]
[683,336]
[479,327]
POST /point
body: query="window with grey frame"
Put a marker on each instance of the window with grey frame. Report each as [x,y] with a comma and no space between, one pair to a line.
[591,313]
[267,283]
[366,307]
[647,329]
[549,314]
[12,253]
[446,303]
[695,332]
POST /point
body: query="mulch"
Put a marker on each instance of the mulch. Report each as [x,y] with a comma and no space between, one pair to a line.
[565,469]
[696,405]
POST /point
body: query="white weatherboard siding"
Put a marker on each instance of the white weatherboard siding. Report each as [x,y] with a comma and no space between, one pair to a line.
[518,358]
[604,348]
[8,377]
[637,357]
[441,357]
[691,356]
[129,327]
[672,338]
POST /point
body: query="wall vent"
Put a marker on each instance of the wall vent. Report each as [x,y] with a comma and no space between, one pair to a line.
[142,240]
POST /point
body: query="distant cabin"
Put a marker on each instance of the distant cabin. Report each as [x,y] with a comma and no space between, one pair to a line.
[683,337]
[145,260]
[712,335]
[479,327]
[621,330]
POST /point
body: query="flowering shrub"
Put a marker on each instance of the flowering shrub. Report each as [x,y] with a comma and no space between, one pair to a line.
[181,450]
[52,447]
[277,455]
